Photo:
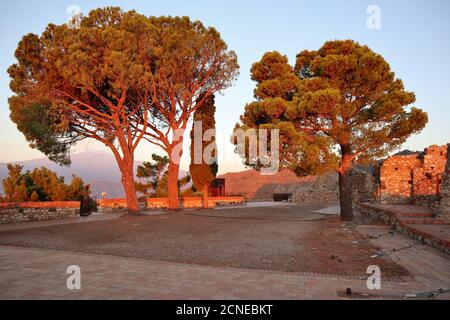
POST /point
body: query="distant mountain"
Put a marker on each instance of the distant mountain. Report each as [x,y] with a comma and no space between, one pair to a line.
[98,168]
[255,186]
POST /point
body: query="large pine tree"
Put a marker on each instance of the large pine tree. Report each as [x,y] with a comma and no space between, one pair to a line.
[339,105]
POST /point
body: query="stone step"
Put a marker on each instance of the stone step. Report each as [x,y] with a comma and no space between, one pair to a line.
[415,214]
[411,210]
[436,235]
[408,210]
[419,220]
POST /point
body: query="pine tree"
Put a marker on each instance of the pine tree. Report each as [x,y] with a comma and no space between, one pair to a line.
[340,105]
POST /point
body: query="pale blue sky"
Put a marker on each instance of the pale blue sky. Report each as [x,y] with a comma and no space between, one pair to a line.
[414,38]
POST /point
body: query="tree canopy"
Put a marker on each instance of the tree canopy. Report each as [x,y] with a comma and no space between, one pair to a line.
[193,64]
[84,81]
[119,78]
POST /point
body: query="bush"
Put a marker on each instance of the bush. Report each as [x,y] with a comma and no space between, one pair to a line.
[40,185]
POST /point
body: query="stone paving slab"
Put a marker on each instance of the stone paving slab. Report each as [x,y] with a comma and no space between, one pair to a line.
[27,273]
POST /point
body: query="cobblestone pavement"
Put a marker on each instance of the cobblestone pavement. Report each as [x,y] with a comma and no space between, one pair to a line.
[28,273]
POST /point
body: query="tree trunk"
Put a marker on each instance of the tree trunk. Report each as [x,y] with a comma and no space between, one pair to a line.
[345,189]
[345,196]
[129,186]
[205,196]
[174,169]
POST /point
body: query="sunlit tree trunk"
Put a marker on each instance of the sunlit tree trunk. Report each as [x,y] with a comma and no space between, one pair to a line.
[345,190]
[174,169]
[127,170]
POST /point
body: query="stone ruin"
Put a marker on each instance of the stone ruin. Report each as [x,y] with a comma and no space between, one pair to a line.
[407,177]
[412,176]
[326,188]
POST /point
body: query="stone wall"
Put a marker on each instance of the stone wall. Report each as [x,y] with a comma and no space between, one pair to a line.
[120,205]
[37,211]
[396,178]
[324,190]
[412,176]
[310,195]
[405,178]
[157,203]
[444,205]
[363,185]
[112,205]
[430,201]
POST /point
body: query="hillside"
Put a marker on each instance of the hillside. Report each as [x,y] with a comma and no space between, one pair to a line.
[255,186]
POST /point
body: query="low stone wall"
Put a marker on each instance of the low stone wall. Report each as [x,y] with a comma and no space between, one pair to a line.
[324,189]
[378,214]
[111,205]
[430,201]
[38,211]
[196,202]
[120,205]
[191,202]
[157,203]
[225,201]
[310,195]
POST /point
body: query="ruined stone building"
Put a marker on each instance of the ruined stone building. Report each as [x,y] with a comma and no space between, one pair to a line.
[407,177]
[411,176]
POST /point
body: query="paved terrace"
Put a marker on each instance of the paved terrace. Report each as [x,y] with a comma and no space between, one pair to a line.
[36,273]
[40,274]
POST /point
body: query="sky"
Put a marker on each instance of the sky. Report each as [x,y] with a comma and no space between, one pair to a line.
[414,38]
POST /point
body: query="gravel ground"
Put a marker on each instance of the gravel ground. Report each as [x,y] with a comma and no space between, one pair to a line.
[285,238]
